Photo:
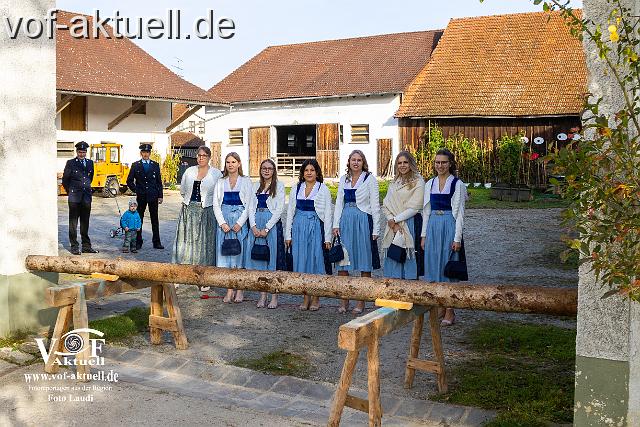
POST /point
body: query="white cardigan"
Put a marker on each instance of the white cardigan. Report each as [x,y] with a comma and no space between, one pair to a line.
[367,199]
[457,207]
[207,185]
[244,185]
[274,204]
[322,205]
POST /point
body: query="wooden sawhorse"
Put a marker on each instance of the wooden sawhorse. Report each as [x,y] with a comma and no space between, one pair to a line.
[367,331]
[72,301]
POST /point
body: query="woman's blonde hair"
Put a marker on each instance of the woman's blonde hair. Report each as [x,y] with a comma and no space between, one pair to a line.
[413,174]
[365,165]
[236,156]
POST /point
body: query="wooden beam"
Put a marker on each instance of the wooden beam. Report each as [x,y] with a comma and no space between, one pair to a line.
[62,324]
[59,296]
[424,365]
[341,396]
[476,296]
[163,323]
[184,116]
[113,123]
[355,334]
[357,403]
[64,102]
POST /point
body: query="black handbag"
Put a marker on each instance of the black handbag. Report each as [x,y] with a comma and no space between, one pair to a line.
[260,252]
[335,254]
[397,253]
[288,259]
[456,269]
[230,247]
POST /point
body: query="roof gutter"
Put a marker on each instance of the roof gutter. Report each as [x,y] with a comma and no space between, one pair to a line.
[312,98]
[146,98]
[488,117]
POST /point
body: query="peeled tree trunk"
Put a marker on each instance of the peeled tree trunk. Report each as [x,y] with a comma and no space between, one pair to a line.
[502,298]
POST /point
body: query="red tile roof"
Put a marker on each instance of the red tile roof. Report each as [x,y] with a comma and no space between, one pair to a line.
[117,67]
[364,65]
[186,140]
[525,64]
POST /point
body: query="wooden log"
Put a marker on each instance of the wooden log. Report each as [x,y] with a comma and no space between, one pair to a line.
[81,321]
[58,296]
[157,310]
[373,382]
[504,298]
[173,310]
[356,333]
[414,350]
[340,396]
[62,324]
[438,352]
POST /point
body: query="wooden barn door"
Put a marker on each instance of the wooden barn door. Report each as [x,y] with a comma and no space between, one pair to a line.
[328,150]
[384,157]
[258,148]
[74,117]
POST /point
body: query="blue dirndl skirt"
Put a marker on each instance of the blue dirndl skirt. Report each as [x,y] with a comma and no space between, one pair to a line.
[307,237]
[408,269]
[262,217]
[355,235]
[441,230]
[231,214]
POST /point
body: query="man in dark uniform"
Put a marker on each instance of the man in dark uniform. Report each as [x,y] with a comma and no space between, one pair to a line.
[144,178]
[76,180]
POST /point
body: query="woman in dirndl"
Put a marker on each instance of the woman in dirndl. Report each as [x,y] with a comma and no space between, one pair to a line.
[265,212]
[356,221]
[231,200]
[443,211]
[308,227]
[401,207]
[195,232]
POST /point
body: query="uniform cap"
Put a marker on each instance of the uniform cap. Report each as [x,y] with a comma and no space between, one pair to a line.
[145,147]
[82,146]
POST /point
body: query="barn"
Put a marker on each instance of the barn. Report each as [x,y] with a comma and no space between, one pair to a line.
[110,90]
[320,99]
[496,75]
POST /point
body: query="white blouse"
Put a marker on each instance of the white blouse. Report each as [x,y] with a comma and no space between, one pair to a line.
[457,203]
[321,196]
[243,186]
[207,185]
[367,199]
[274,204]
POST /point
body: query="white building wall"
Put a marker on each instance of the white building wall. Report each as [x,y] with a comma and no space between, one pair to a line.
[376,110]
[133,130]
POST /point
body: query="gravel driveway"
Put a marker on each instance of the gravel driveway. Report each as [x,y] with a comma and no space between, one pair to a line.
[510,246]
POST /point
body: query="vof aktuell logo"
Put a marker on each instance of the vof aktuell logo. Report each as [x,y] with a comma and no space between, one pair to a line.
[75,345]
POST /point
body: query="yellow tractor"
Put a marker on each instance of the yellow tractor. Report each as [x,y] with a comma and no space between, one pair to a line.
[109,173]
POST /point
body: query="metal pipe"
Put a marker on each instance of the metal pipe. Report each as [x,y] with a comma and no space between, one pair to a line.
[502,298]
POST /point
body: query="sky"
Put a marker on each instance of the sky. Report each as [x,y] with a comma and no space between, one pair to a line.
[262,23]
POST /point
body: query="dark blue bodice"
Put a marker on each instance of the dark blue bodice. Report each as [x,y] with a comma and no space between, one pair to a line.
[262,200]
[305,205]
[442,202]
[231,198]
[349,195]
[195,193]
